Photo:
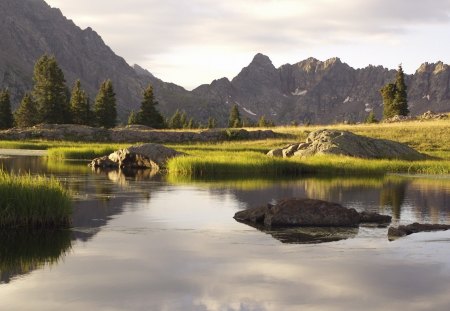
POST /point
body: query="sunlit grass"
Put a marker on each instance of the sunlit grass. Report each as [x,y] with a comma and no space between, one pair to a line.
[245,163]
[33,201]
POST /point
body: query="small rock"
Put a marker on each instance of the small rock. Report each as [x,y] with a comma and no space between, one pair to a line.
[401,231]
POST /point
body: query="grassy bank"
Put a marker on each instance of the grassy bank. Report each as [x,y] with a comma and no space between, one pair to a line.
[248,157]
[80,153]
[33,201]
[215,163]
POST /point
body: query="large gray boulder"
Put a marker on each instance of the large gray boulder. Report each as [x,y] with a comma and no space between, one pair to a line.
[152,156]
[307,213]
[346,143]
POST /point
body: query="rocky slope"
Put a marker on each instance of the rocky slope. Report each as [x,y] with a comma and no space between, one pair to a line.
[30,28]
[324,92]
[308,91]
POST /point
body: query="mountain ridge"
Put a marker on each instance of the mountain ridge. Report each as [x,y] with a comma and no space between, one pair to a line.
[307,91]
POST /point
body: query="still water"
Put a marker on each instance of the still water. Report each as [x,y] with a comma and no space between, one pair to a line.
[141,242]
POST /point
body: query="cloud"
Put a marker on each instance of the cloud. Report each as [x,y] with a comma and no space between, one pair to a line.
[142,30]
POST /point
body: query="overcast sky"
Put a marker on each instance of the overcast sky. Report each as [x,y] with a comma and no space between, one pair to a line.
[191,42]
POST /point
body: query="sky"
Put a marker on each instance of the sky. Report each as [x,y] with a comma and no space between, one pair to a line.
[192,42]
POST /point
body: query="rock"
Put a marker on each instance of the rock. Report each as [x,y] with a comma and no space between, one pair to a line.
[277,153]
[152,156]
[401,231]
[311,213]
[430,115]
[307,213]
[103,162]
[346,143]
[128,134]
[253,215]
[397,118]
[367,217]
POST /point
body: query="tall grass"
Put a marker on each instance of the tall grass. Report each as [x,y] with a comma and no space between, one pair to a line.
[211,164]
[80,153]
[33,201]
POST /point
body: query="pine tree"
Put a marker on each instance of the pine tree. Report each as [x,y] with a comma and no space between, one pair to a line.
[401,97]
[175,120]
[211,123]
[105,106]
[50,91]
[79,105]
[6,117]
[371,118]
[27,113]
[235,118]
[388,93]
[133,118]
[395,98]
[183,120]
[149,115]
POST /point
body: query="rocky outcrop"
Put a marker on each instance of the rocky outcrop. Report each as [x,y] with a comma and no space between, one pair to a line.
[430,115]
[348,144]
[401,231]
[151,156]
[307,213]
[128,134]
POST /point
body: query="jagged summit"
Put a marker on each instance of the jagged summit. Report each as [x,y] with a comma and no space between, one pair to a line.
[261,60]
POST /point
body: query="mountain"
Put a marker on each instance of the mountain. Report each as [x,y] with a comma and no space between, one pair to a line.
[324,92]
[30,28]
[308,91]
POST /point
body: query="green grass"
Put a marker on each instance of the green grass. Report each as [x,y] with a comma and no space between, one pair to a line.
[81,153]
[248,157]
[33,201]
[225,163]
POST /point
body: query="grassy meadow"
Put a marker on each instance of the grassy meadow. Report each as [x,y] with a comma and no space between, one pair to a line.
[33,201]
[247,158]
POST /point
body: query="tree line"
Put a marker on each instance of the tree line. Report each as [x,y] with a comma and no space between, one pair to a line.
[50,101]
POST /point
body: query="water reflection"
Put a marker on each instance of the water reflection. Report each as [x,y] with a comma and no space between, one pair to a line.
[23,251]
[307,235]
[152,244]
[407,199]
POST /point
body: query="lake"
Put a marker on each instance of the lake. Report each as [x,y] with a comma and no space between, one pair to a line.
[143,242]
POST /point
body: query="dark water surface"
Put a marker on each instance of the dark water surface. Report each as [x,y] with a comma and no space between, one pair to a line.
[140,242]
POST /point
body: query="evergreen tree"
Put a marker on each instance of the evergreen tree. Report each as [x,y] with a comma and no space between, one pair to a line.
[235,118]
[388,93]
[133,118]
[6,117]
[183,120]
[149,115]
[27,113]
[50,91]
[211,123]
[175,121]
[371,118]
[401,97]
[394,96]
[79,105]
[105,106]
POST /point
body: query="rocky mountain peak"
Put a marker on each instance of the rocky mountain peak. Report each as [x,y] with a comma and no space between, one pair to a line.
[432,68]
[261,60]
